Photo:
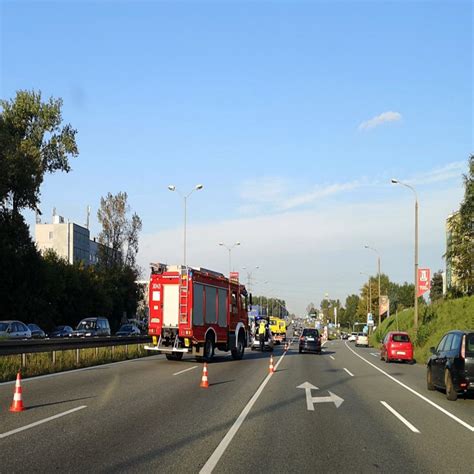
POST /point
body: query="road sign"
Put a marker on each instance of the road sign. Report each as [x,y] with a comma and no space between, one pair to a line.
[310,400]
[234,276]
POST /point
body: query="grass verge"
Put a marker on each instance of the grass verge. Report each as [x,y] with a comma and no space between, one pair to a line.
[434,320]
[42,363]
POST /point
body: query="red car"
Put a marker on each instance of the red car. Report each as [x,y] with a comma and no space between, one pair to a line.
[397,346]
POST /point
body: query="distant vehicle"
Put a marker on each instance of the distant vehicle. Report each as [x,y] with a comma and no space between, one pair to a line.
[352,337]
[128,330]
[451,366]
[61,331]
[345,336]
[36,331]
[89,327]
[397,346]
[14,330]
[310,341]
[362,340]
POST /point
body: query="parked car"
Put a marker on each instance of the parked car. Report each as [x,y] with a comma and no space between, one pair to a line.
[89,327]
[451,366]
[61,331]
[397,346]
[310,341]
[352,337]
[128,330]
[362,340]
[344,336]
[14,330]
[36,331]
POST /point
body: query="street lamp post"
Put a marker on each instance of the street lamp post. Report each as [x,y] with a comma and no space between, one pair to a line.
[415,322]
[378,272]
[229,248]
[172,187]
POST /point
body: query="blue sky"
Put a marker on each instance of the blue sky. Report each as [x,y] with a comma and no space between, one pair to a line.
[264,103]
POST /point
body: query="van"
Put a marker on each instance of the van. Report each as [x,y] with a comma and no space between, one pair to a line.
[90,327]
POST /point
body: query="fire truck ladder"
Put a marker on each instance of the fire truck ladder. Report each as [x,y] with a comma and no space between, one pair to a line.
[183,295]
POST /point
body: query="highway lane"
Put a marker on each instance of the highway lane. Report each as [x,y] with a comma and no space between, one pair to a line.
[142,417]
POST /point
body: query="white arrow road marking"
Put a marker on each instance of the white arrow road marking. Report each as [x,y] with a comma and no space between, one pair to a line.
[400,417]
[310,401]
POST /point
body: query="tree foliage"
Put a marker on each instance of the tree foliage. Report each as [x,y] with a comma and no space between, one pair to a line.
[436,290]
[119,235]
[460,250]
[33,142]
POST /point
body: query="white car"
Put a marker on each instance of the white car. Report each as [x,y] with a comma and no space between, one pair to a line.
[352,337]
[362,340]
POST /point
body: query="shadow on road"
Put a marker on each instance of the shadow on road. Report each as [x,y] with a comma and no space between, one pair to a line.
[58,403]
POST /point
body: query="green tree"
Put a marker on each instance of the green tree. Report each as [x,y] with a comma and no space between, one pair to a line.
[32,143]
[119,235]
[350,315]
[436,290]
[460,251]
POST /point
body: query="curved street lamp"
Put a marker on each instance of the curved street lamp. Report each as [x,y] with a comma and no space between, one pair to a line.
[229,248]
[378,273]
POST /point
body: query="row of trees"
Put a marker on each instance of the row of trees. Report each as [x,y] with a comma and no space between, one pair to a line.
[276,306]
[45,288]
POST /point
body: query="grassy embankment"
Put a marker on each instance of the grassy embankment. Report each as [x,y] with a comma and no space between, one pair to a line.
[42,362]
[433,321]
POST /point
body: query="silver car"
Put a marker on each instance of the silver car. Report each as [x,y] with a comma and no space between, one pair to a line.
[14,330]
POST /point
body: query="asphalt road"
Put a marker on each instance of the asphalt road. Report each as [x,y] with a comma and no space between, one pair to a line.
[150,415]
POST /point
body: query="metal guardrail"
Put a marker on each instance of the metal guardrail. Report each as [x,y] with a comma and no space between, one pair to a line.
[18,347]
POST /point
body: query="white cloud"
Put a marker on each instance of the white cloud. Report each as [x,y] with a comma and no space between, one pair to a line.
[452,170]
[380,119]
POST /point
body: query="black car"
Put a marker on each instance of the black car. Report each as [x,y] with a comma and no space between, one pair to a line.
[36,331]
[90,327]
[451,367]
[128,330]
[61,331]
[310,341]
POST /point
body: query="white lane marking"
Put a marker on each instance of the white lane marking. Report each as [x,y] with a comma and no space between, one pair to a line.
[92,367]
[400,417]
[331,357]
[374,354]
[427,400]
[350,373]
[40,422]
[185,370]
[220,450]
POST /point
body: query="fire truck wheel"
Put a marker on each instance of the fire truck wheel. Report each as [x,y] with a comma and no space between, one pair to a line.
[238,351]
[208,349]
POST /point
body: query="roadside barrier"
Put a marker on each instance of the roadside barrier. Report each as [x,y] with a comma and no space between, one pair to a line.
[204,380]
[271,369]
[17,404]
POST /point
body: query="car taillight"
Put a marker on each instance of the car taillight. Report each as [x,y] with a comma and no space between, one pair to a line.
[463,347]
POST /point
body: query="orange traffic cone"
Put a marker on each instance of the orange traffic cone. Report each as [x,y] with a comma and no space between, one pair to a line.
[271,369]
[204,381]
[17,404]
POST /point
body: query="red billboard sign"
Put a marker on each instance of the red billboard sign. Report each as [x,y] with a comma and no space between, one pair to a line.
[424,280]
[234,276]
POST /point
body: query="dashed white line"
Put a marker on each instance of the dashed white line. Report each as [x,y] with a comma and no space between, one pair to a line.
[400,417]
[40,422]
[185,370]
[350,373]
[374,354]
[427,400]
[220,450]
[331,357]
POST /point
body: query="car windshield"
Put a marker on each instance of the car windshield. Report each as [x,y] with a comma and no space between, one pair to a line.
[126,327]
[310,332]
[87,325]
[34,327]
[59,328]
[3,326]
[401,338]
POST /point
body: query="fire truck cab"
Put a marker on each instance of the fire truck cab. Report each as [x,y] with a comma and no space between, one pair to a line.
[195,311]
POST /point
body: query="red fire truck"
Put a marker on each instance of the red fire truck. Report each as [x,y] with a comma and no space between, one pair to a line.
[195,311]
